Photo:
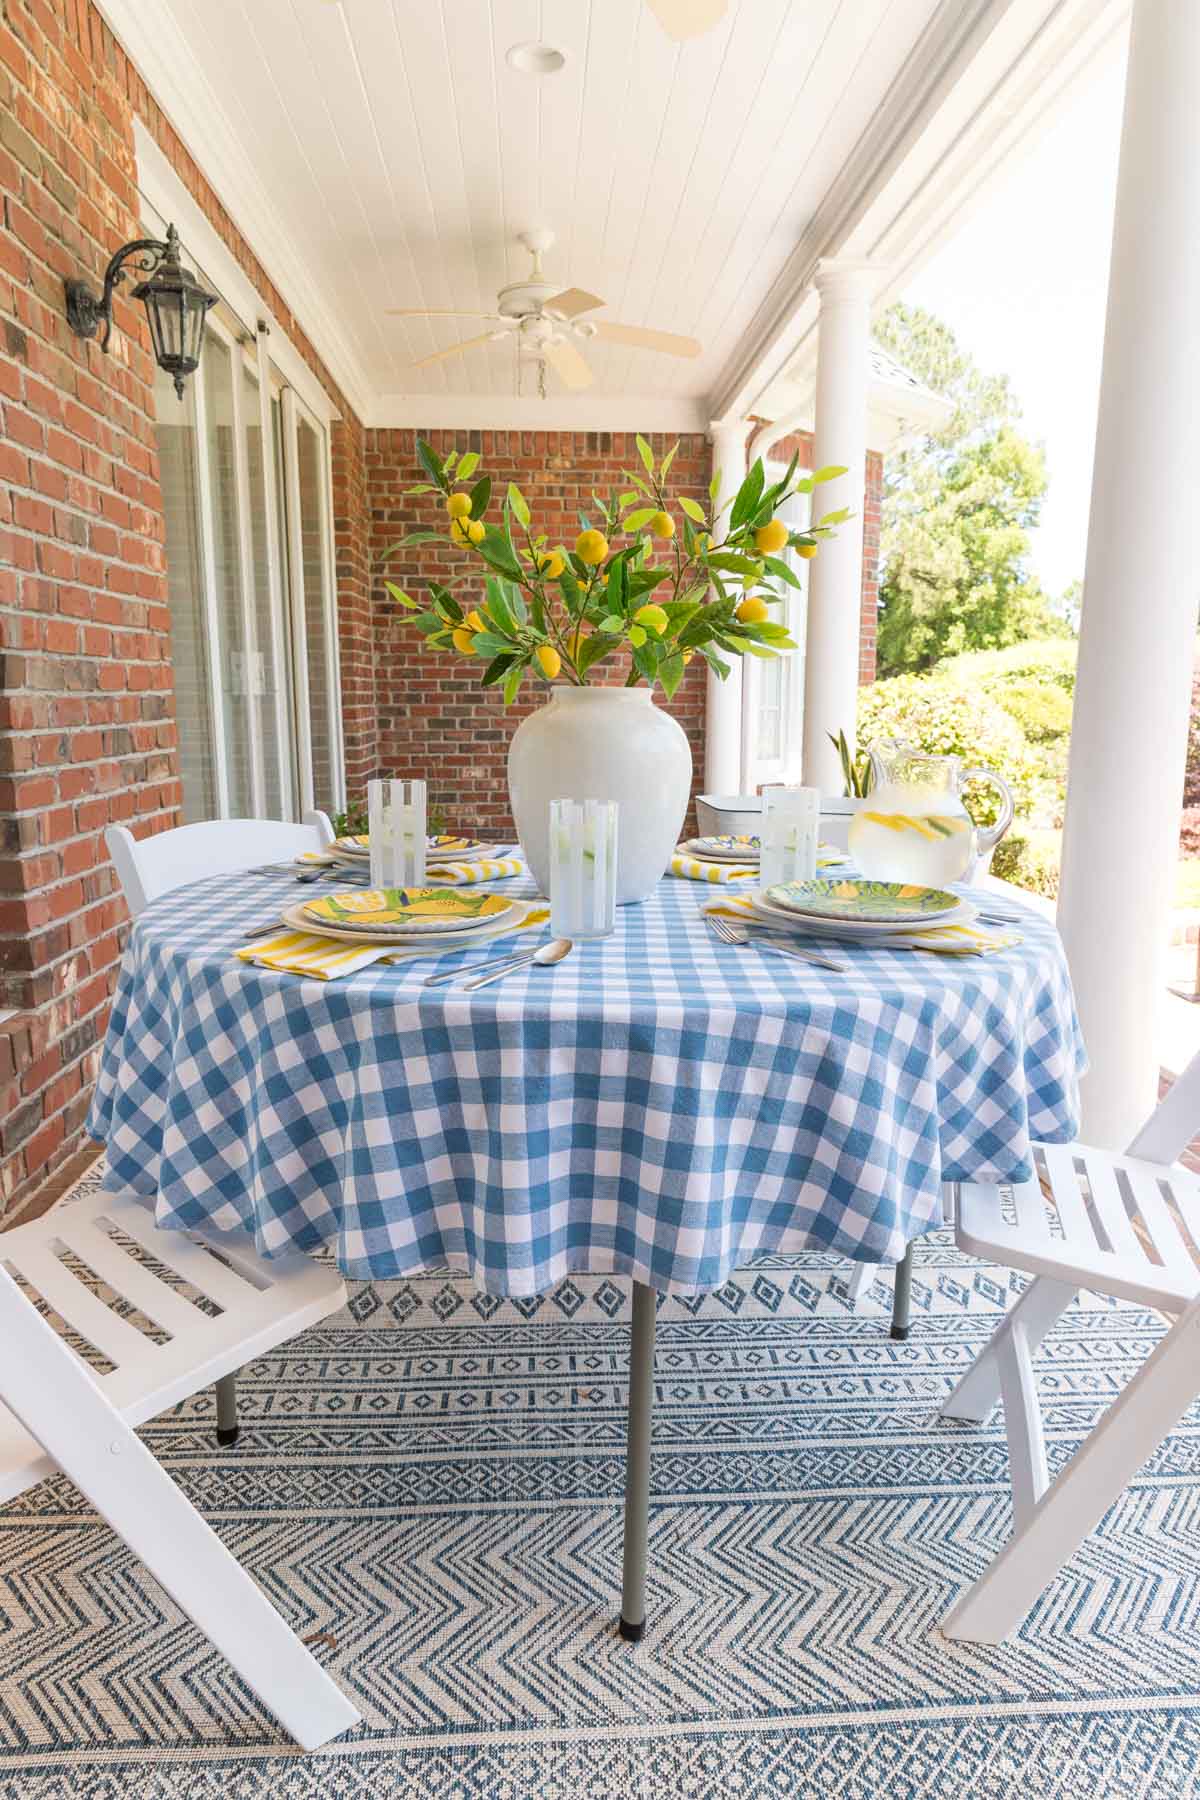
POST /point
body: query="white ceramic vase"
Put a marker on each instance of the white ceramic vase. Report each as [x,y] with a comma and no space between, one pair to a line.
[603,743]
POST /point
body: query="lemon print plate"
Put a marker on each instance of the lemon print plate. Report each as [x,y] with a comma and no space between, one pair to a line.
[854,902]
[462,849]
[725,848]
[407,912]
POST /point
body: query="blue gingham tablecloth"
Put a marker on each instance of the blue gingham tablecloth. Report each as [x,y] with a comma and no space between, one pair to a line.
[659,1105]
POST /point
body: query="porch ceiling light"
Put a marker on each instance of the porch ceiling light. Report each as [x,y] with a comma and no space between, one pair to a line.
[175,303]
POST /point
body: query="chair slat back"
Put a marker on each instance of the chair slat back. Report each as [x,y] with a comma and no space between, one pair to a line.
[149,867]
[1174,1122]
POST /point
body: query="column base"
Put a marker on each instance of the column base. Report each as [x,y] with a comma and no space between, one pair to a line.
[633,1634]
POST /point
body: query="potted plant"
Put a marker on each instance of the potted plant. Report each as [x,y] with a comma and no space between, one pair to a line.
[653,577]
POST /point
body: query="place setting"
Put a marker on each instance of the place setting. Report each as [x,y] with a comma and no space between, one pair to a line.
[793,903]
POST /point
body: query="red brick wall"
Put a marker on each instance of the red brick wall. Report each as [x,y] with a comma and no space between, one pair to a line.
[434,719]
[87,734]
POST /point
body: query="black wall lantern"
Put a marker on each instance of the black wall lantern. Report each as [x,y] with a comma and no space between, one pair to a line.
[175,303]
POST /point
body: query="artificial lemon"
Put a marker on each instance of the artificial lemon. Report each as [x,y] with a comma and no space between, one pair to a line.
[752,609]
[458,505]
[661,524]
[591,547]
[458,532]
[687,656]
[652,617]
[552,565]
[771,537]
[477,531]
[464,640]
[548,660]
[807,551]
[474,621]
[703,543]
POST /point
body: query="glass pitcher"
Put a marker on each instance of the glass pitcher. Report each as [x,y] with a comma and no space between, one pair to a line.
[913,826]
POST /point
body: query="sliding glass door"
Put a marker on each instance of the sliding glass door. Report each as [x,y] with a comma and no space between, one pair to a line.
[245,475]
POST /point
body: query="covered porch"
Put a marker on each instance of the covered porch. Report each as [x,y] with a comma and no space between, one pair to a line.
[198,627]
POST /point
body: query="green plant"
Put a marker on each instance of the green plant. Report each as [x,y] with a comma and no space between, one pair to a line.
[355,823]
[856,770]
[558,611]
[1030,859]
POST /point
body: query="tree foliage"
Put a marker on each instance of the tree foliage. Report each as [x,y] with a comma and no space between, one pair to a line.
[958,507]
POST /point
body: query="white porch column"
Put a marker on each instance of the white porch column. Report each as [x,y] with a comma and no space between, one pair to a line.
[835,575]
[723,721]
[1128,739]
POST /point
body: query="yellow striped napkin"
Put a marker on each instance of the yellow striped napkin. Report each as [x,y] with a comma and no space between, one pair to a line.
[948,940]
[692,869]
[305,953]
[487,869]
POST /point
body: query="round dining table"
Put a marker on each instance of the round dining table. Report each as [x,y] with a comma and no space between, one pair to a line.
[659,1105]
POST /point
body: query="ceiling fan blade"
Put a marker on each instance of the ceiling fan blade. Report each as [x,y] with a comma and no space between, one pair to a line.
[567,363]
[573,301]
[642,338]
[454,350]
[682,19]
[434,312]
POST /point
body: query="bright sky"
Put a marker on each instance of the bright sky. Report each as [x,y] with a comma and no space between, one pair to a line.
[1023,287]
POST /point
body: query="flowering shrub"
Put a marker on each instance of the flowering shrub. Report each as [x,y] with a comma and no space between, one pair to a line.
[948,720]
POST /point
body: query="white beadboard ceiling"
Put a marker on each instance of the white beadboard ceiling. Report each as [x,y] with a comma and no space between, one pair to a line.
[382,153]
[402,155]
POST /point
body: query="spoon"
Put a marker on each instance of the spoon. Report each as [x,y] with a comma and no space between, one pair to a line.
[552,952]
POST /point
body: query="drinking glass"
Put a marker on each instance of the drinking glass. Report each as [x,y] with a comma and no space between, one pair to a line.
[396,820]
[791,817]
[583,868]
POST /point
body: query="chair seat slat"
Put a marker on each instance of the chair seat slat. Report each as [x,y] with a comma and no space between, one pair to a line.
[119,1342]
[1068,1197]
[131,1279]
[177,1251]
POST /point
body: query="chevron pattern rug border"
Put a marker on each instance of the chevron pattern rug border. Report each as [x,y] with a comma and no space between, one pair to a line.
[431,1481]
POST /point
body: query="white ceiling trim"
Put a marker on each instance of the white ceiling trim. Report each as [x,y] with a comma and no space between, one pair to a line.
[151,38]
[165,194]
[950,41]
[525,412]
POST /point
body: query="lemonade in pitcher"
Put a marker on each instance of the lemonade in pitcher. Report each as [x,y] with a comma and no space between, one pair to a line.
[913,826]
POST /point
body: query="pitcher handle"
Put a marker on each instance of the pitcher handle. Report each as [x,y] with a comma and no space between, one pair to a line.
[988,836]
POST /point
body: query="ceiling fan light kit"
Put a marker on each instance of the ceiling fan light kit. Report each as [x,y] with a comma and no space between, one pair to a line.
[548,325]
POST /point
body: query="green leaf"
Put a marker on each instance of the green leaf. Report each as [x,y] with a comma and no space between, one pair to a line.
[670,673]
[446,604]
[748,495]
[638,483]
[512,682]
[496,668]
[781,571]
[517,606]
[516,500]
[637,636]
[735,563]
[490,643]
[836,518]
[593,648]
[646,454]
[692,508]
[714,486]
[667,460]
[423,488]
[432,466]
[398,595]
[481,493]
[635,520]
[716,663]
[612,624]
[428,622]
[626,500]
[645,661]
[496,549]
[498,607]
[828,473]
[468,465]
[642,581]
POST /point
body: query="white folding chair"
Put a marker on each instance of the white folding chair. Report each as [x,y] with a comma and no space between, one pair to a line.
[1122,1225]
[151,866]
[84,1262]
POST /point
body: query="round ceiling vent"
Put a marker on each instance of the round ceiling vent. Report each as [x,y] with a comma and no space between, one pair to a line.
[535,59]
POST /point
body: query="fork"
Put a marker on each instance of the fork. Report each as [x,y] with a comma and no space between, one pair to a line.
[730,933]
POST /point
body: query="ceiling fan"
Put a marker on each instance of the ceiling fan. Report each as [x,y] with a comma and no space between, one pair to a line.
[546,323]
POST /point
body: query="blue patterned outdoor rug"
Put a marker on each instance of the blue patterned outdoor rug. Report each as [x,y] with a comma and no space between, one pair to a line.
[432,1481]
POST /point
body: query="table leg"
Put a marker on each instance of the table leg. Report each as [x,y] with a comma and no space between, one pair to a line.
[637,1463]
[227,1419]
[902,1297]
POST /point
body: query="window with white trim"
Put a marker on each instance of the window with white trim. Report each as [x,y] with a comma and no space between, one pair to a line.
[773,692]
[245,475]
